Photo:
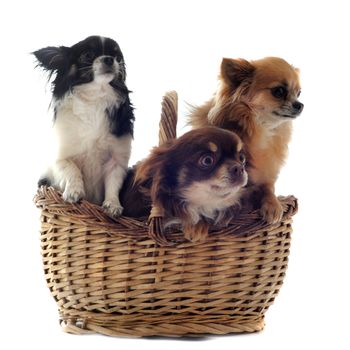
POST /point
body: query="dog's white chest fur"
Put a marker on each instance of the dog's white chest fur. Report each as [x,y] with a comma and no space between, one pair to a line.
[202,200]
[83,136]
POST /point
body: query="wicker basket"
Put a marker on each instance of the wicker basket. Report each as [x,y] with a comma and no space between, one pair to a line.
[109,276]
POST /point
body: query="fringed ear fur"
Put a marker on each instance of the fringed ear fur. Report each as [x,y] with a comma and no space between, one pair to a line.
[234,116]
[155,169]
[52,58]
[235,71]
[146,169]
[122,118]
[228,111]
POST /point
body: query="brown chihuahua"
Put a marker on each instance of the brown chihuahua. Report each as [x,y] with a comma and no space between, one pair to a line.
[258,100]
[197,180]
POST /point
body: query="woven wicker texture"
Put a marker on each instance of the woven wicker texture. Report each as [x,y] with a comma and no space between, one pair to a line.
[167,131]
[109,276]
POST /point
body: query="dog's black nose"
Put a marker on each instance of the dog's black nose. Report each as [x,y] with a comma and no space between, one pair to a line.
[298,106]
[108,61]
[237,170]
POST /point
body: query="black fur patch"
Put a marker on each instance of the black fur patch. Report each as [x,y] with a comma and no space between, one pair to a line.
[122,119]
[72,66]
[132,199]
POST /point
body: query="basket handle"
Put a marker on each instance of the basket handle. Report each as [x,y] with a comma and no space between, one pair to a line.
[167,131]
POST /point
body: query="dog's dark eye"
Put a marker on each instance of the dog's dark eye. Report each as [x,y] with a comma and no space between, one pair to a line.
[299,93]
[206,161]
[279,92]
[117,54]
[87,56]
[242,158]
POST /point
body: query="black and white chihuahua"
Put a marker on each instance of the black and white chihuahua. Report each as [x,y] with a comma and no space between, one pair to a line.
[93,121]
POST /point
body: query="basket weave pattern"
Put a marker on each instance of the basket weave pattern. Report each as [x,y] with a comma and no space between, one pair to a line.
[109,276]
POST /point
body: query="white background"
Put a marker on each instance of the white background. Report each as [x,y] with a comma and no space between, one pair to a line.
[179,45]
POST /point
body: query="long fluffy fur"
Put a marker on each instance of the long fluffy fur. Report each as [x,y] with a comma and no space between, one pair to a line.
[244,104]
[171,179]
[93,121]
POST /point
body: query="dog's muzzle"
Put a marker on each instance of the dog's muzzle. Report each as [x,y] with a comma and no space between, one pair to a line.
[105,65]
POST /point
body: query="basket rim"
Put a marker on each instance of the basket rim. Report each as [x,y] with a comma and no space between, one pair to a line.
[84,213]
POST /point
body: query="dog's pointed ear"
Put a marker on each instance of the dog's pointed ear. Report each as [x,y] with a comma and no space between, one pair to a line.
[235,71]
[51,57]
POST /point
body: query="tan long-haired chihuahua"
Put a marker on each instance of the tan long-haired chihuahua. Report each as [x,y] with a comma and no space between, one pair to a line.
[258,100]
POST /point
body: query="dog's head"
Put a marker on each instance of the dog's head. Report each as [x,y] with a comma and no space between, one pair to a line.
[269,86]
[200,173]
[93,59]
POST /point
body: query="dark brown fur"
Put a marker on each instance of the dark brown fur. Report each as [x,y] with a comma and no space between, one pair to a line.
[174,179]
[245,104]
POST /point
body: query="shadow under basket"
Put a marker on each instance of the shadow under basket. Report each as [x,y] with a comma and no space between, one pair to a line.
[111,276]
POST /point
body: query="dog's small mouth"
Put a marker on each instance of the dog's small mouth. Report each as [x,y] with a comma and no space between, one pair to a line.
[103,70]
[230,185]
[108,71]
[285,115]
[224,191]
[240,180]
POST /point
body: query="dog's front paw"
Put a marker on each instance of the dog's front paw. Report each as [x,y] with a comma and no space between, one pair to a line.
[196,233]
[112,207]
[272,210]
[73,193]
